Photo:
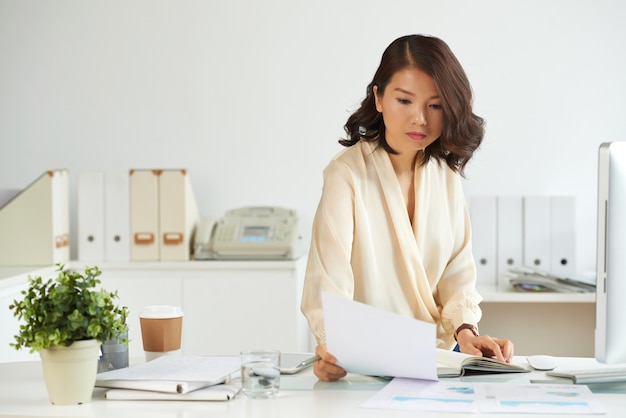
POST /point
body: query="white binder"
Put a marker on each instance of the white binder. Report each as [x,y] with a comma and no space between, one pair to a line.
[510,236]
[90,212]
[563,244]
[35,223]
[484,235]
[537,232]
[116,216]
[178,215]
[144,218]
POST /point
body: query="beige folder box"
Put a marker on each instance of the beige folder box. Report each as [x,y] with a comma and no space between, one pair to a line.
[34,223]
[144,216]
[178,215]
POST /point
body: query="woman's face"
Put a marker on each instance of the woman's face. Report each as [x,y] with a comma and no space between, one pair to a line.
[411,109]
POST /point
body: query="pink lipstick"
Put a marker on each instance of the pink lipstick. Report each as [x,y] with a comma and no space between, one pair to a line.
[416,136]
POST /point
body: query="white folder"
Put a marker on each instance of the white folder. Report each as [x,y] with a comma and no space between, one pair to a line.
[178,215]
[563,245]
[116,216]
[35,223]
[483,218]
[144,219]
[537,232]
[510,236]
[90,212]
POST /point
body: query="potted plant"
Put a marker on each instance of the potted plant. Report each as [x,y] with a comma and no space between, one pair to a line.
[66,319]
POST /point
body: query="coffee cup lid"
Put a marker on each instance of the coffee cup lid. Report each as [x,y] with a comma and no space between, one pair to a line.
[161,311]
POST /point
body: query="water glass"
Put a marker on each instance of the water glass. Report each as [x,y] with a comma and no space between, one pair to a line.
[260,373]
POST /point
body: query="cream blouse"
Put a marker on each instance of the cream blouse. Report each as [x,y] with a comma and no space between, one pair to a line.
[363,246]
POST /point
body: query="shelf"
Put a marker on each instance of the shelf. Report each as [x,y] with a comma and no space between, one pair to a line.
[12,276]
[199,265]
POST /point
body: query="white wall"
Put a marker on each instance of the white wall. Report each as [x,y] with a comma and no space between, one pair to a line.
[252,96]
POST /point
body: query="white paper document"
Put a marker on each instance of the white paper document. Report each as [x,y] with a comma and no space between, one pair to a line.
[371,341]
[480,398]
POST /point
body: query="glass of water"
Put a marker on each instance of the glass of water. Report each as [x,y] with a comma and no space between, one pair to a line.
[260,373]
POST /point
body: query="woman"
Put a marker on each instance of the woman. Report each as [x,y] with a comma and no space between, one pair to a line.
[392,228]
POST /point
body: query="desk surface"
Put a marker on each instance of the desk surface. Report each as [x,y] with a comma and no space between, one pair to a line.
[23,394]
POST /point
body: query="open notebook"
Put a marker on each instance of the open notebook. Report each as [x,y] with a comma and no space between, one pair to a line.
[454,364]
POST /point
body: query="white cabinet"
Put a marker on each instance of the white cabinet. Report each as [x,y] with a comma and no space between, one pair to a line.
[558,324]
[229,310]
[228,305]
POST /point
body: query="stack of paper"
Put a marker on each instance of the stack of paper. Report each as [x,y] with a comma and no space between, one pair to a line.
[532,280]
[174,378]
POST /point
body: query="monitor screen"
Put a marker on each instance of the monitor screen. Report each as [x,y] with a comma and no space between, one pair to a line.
[610,332]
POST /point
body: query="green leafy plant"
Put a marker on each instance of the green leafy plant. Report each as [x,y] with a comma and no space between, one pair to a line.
[65,309]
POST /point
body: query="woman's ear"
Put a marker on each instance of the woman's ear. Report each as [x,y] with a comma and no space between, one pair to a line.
[376,99]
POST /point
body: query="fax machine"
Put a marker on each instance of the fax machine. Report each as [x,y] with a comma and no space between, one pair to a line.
[249,233]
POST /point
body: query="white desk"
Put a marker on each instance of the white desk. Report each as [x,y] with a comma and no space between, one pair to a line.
[23,394]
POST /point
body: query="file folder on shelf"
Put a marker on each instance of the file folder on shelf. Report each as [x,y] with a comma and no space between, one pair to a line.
[563,232]
[35,223]
[510,236]
[90,211]
[144,217]
[537,232]
[178,215]
[484,235]
[116,216]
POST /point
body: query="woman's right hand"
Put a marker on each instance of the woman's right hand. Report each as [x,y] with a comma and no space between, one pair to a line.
[326,369]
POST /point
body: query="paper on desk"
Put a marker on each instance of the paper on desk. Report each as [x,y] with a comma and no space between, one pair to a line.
[372,341]
[482,398]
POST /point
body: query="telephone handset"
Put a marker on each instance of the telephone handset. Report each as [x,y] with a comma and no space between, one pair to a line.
[202,238]
[256,232]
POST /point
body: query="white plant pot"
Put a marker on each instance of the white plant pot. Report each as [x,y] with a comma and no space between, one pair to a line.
[70,372]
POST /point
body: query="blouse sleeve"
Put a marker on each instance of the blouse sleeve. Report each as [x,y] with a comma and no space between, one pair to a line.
[456,291]
[328,267]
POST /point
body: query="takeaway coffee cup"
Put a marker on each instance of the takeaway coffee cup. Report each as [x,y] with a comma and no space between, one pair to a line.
[161,330]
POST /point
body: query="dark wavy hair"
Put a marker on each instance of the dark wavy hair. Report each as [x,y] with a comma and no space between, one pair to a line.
[462,132]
